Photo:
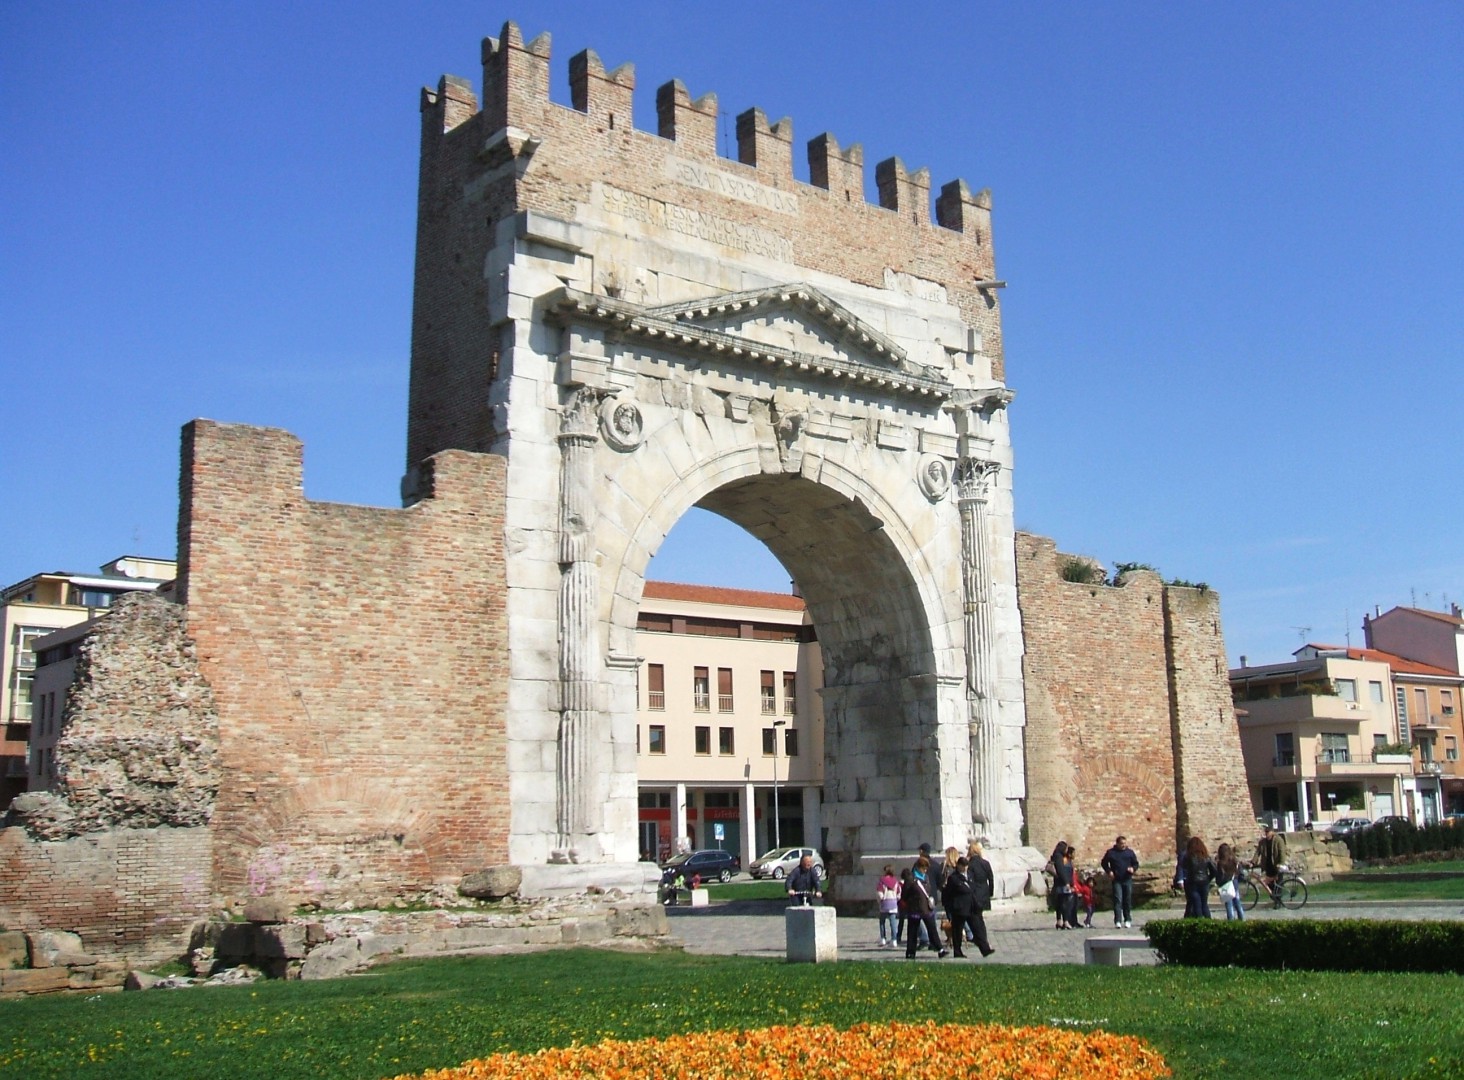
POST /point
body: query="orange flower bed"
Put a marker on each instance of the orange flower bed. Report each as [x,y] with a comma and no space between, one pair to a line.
[865,1051]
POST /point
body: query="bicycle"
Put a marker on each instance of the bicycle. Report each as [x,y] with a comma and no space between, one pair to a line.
[1288,890]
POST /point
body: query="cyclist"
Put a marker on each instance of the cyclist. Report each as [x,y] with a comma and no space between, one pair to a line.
[1271,855]
[805,882]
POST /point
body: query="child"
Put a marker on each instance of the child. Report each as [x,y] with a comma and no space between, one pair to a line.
[1083,886]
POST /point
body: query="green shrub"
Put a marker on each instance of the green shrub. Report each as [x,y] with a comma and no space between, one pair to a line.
[1082,571]
[1311,944]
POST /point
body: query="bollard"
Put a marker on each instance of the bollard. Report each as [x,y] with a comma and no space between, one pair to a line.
[812,935]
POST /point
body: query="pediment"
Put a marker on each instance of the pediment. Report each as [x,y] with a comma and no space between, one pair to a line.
[796,317]
[792,326]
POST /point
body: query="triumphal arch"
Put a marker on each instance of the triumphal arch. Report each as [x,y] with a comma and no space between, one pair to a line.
[640,325]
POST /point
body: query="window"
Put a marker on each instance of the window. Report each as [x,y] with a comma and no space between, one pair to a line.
[722,800]
[1402,698]
[1425,750]
[1333,748]
[656,687]
[76,596]
[701,690]
[1379,741]
[724,741]
[1347,689]
[790,693]
[724,689]
[23,661]
[655,800]
[1451,748]
[1420,706]
[768,695]
[637,738]
[703,740]
[1375,692]
[657,741]
[790,742]
[1446,702]
[770,741]
[1285,749]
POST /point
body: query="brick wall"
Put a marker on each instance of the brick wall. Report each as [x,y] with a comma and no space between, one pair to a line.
[127,892]
[1130,729]
[358,658]
[523,152]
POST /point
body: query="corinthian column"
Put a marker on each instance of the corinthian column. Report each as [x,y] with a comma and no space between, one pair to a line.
[973,483]
[579,648]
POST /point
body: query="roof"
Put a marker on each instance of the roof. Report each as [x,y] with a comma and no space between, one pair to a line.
[1400,664]
[1441,616]
[715,594]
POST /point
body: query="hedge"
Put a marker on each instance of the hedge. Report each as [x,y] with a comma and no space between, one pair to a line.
[1383,841]
[1311,944]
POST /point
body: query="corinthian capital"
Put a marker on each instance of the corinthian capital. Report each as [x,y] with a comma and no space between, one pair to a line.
[974,477]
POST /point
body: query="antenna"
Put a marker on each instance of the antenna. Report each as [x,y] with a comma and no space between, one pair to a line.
[1303,631]
[1347,626]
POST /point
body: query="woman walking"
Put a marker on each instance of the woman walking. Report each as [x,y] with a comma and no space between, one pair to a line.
[1197,871]
[1229,876]
[1062,883]
[919,910]
[888,895]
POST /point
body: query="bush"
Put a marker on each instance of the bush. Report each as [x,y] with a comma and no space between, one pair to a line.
[1385,840]
[1311,944]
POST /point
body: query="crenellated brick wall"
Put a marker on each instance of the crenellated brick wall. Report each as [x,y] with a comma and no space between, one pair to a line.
[1129,724]
[358,658]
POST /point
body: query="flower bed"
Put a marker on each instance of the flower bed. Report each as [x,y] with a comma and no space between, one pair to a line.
[909,1051]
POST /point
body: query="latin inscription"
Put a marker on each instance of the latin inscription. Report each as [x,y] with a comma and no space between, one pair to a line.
[697,223]
[695,174]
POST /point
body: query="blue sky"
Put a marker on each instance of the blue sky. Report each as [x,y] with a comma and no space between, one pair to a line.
[1233,237]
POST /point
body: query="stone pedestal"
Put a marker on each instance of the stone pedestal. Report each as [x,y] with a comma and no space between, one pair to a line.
[813,935]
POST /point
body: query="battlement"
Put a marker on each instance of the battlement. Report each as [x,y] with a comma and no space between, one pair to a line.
[516,88]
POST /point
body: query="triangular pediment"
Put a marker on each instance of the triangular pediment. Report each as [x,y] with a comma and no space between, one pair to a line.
[795,317]
[793,326]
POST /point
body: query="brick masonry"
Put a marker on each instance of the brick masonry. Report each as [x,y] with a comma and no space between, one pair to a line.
[1130,729]
[358,661]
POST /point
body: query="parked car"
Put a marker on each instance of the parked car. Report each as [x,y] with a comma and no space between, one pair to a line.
[1344,825]
[1395,821]
[779,863]
[710,864]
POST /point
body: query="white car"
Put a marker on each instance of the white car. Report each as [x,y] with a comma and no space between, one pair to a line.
[1343,826]
[779,863]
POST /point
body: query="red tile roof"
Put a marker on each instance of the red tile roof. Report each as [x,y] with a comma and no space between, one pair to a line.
[1401,664]
[715,594]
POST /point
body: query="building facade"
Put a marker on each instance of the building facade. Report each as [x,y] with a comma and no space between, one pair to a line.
[729,730]
[36,607]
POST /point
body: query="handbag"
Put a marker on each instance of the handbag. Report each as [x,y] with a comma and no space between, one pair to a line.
[1227,891]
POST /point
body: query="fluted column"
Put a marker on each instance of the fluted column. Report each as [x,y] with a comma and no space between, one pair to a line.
[579,646]
[973,482]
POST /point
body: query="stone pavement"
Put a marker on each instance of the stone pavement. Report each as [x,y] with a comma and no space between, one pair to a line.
[755,928]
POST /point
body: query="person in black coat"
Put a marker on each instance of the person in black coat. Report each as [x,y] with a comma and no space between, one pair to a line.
[919,909]
[963,899]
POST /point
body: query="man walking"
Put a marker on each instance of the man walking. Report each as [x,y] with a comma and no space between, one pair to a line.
[1120,863]
[966,894]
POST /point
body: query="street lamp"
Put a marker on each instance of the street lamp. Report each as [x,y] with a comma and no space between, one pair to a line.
[778,726]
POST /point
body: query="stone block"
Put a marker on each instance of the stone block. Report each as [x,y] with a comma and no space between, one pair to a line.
[288,941]
[35,980]
[57,948]
[268,909]
[233,940]
[333,959]
[638,920]
[492,883]
[101,976]
[812,935]
[700,898]
[14,950]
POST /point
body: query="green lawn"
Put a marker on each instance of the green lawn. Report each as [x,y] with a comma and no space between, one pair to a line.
[1452,889]
[420,1014]
[1454,866]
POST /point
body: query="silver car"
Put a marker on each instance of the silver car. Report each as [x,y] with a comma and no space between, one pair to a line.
[779,863]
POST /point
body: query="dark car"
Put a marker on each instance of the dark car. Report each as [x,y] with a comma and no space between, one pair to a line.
[1394,821]
[708,864]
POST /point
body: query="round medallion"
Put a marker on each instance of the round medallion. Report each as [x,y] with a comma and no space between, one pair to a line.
[934,476]
[621,423]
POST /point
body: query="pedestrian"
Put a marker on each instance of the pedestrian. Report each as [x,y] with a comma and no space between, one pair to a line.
[1083,889]
[1055,893]
[805,883]
[920,910]
[888,895]
[1196,871]
[1228,874]
[947,868]
[963,897]
[983,890]
[1120,863]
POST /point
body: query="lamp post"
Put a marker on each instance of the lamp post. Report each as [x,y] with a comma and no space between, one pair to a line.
[778,726]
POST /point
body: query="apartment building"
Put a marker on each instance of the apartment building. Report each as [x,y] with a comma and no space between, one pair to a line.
[1320,738]
[729,728]
[1430,685]
[38,606]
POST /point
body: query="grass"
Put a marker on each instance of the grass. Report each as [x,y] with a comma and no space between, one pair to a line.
[422,1014]
[1453,866]
[1387,890]
[749,890]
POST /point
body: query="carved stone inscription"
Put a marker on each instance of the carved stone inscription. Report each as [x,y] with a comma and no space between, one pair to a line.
[697,174]
[695,223]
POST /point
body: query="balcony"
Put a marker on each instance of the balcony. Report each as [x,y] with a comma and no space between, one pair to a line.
[1446,769]
[1433,722]
[656,699]
[1336,763]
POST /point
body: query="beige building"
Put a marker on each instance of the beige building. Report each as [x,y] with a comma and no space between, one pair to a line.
[728,721]
[1319,737]
[36,607]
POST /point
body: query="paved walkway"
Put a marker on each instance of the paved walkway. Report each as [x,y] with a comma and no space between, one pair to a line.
[755,928]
